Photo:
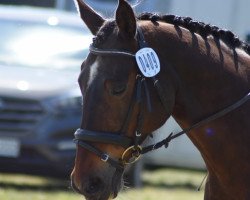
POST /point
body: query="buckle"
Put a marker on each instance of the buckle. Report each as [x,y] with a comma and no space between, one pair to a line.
[131,155]
[105,157]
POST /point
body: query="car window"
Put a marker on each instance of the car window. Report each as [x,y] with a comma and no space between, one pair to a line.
[37,44]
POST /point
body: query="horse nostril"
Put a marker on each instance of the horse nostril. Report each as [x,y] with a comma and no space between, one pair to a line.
[94,186]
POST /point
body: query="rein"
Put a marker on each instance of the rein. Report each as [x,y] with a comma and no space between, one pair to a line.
[200,123]
[132,147]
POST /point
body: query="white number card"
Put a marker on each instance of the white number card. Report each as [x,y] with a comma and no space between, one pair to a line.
[148,62]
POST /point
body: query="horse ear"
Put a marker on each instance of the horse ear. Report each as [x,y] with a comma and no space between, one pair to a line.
[91,18]
[125,19]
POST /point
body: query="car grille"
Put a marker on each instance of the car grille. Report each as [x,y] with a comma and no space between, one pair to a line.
[18,116]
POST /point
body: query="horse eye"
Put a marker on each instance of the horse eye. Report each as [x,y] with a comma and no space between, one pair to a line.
[118,89]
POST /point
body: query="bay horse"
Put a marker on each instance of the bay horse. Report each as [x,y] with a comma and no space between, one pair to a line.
[198,71]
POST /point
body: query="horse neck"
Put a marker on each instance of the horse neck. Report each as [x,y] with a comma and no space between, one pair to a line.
[211,77]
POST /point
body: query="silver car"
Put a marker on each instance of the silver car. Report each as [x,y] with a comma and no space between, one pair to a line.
[40,104]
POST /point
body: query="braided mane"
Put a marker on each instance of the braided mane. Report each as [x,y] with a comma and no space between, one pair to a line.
[194,26]
[199,27]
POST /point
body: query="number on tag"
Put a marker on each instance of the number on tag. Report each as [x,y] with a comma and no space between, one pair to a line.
[148,62]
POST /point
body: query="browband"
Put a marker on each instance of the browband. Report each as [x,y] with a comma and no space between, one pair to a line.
[140,39]
[98,51]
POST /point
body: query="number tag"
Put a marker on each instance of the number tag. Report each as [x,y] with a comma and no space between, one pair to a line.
[148,62]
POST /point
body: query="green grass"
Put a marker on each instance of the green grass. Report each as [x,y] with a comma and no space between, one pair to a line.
[161,184]
[168,184]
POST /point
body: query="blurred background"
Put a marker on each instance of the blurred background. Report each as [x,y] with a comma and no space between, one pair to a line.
[42,46]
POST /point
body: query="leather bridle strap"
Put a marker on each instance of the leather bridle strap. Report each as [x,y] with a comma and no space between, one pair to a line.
[104,137]
[106,52]
[103,156]
[215,116]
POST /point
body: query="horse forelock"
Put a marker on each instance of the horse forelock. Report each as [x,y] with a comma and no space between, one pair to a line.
[104,32]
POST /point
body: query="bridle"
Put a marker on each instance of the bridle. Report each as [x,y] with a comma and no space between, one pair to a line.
[132,146]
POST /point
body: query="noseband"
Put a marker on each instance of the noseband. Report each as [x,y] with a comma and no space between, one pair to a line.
[132,147]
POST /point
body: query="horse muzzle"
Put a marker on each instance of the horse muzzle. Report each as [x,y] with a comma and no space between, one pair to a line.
[98,186]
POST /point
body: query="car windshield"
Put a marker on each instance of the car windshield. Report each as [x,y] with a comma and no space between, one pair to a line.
[42,45]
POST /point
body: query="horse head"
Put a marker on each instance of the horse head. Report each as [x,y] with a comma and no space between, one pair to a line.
[116,103]
[203,69]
